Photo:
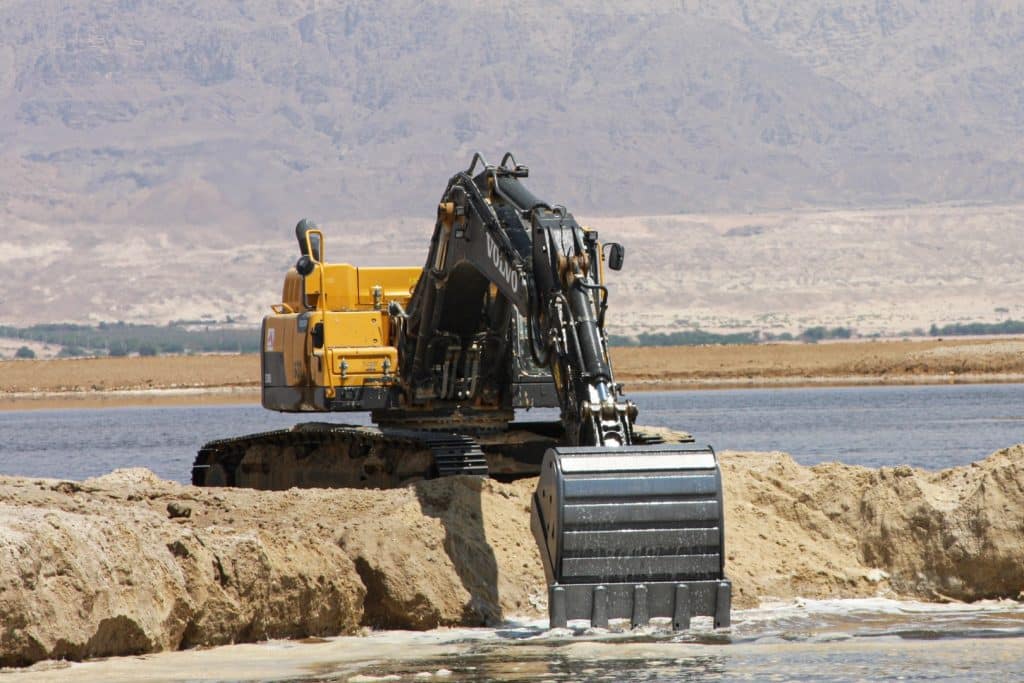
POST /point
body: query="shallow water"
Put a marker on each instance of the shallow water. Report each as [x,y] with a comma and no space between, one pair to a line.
[831,640]
[803,640]
[924,426]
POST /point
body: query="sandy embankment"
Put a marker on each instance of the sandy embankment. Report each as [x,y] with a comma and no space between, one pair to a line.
[100,567]
[920,361]
[172,380]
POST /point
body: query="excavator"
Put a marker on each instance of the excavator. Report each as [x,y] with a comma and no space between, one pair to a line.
[507,314]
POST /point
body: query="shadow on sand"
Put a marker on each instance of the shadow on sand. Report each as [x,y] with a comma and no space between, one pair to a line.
[457,505]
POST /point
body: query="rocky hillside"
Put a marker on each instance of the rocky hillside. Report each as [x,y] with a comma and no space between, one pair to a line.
[246,114]
[138,138]
[888,271]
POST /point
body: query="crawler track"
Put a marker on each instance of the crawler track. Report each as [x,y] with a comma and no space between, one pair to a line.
[330,455]
[327,455]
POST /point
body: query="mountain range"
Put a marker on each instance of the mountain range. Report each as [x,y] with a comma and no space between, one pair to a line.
[139,136]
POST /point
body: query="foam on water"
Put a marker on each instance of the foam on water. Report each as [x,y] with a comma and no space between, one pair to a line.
[803,640]
[804,619]
[862,639]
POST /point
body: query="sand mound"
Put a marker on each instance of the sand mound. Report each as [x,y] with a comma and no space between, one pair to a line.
[843,531]
[128,563]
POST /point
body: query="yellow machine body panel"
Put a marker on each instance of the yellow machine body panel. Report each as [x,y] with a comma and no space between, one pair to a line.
[329,345]
[340,284]
[395,283]
[356,365]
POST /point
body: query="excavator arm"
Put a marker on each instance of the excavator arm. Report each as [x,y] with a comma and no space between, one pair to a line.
[500,255]
[455,333]
[508,312]
[625,530]
[572,303]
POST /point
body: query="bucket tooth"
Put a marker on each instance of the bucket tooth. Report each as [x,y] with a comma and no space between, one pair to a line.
[556,607]
[599,610]
[681,610]
[632,533]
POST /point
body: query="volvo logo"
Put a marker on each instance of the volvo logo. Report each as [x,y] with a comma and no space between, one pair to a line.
[504,268]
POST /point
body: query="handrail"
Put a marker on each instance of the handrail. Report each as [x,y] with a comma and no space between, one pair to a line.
[477,156]
[321,300]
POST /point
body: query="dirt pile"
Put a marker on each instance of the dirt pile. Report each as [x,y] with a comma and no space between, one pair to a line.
[836,530]
[100,568]
[129,563]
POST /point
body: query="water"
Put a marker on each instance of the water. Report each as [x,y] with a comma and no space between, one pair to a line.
[831,640]
[924,426]
[82,443]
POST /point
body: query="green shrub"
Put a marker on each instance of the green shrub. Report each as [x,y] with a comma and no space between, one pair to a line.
[24,352]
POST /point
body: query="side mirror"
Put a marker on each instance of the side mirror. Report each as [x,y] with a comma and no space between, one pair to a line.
[616,254]
[309,236]
[304,265]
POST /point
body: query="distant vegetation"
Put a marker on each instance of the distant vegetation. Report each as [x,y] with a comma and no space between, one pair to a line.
[816,334]
[957,330]
[123,339]
[811,335]
[696,337]
[196,336]
[685,338]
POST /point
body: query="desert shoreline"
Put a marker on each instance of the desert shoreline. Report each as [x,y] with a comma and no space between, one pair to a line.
[241,395]
[233,379]
[164,566]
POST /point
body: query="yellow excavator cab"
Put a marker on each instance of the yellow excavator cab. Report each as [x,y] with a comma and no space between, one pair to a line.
[331,335]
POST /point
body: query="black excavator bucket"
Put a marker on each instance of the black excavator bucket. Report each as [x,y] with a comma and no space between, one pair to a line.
[632,533]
